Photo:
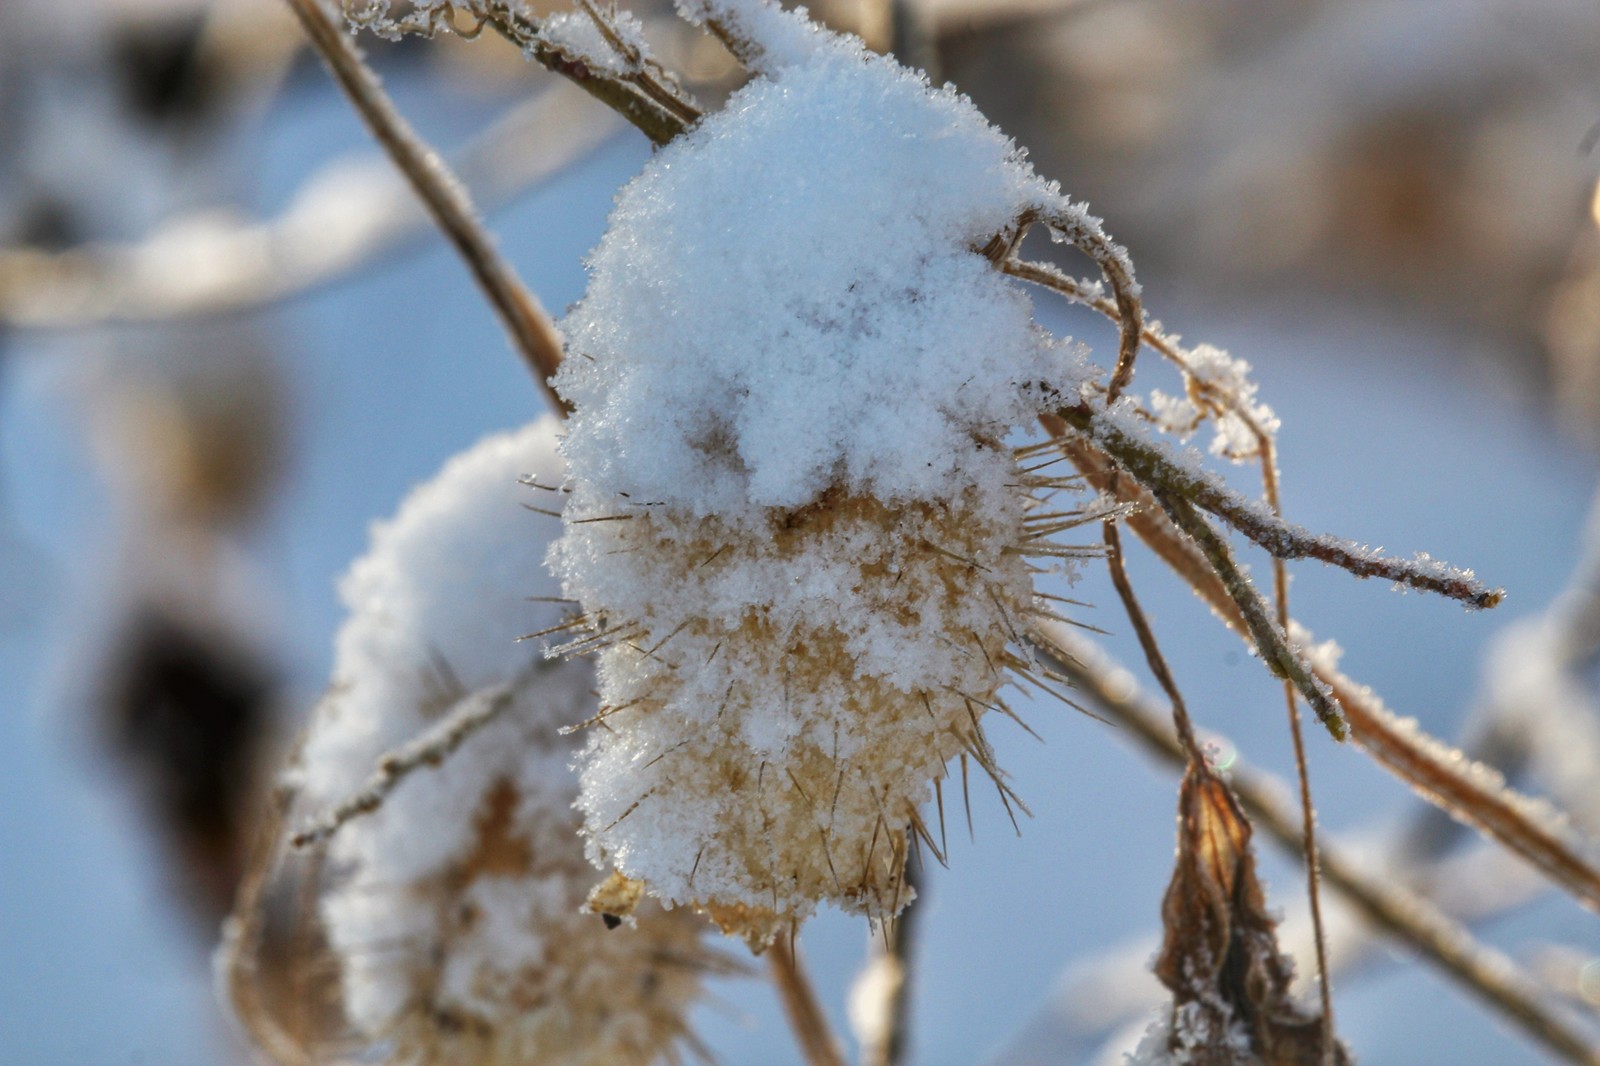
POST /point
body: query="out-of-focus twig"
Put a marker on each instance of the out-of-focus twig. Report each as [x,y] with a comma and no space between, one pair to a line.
[1398,912]
[530,327]
[800,1006]
[1540,710]
[343,218]
[880,999]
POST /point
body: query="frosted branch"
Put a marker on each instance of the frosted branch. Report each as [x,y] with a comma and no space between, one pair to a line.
[1466,790]
[620,74]
[430,749]
[1153,465]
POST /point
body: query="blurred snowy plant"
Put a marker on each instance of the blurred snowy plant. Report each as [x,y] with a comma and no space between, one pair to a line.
[455,910]
[799,538]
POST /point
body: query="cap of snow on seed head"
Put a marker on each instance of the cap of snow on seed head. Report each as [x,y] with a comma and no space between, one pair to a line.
[455,906]
[795,529]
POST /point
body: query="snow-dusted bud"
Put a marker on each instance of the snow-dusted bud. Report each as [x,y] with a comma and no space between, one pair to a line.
[456,906]
[795,528]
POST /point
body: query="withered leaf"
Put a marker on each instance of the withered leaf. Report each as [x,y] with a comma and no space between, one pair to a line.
[1219,955]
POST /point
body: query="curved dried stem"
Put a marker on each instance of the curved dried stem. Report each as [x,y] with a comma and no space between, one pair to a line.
[238,962]
[530,327]
[1393,910]
[1074,225]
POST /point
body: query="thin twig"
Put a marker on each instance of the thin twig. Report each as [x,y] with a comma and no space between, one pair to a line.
[1147,642]
[884,1031]
[1398,912]
[1151,465]
[1302,765]
[534,334]
[811,1030]
[430,749]
[644,94]
[1270,640]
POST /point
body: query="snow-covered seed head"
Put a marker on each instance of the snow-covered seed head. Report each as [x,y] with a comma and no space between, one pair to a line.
[794,528]
[455,908]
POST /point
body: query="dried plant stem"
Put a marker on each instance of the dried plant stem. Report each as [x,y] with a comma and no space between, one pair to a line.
[1197,760]
[886,1042]
[530,327]
[647,96]
[1302,766]
[800,1006]
[1395,911]
[1467,791]
[1283,540]
[430,749]
[1147,641]
[1089,295]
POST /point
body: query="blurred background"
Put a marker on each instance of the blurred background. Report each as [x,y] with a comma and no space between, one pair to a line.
[229,341]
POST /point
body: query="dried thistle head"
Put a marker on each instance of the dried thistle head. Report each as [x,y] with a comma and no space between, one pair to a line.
[800,543]
[455,906]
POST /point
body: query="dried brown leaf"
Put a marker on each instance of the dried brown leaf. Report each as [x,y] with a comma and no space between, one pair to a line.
[1219,956]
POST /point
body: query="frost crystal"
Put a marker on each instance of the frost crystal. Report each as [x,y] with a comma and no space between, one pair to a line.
[456,910]
[794,527]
